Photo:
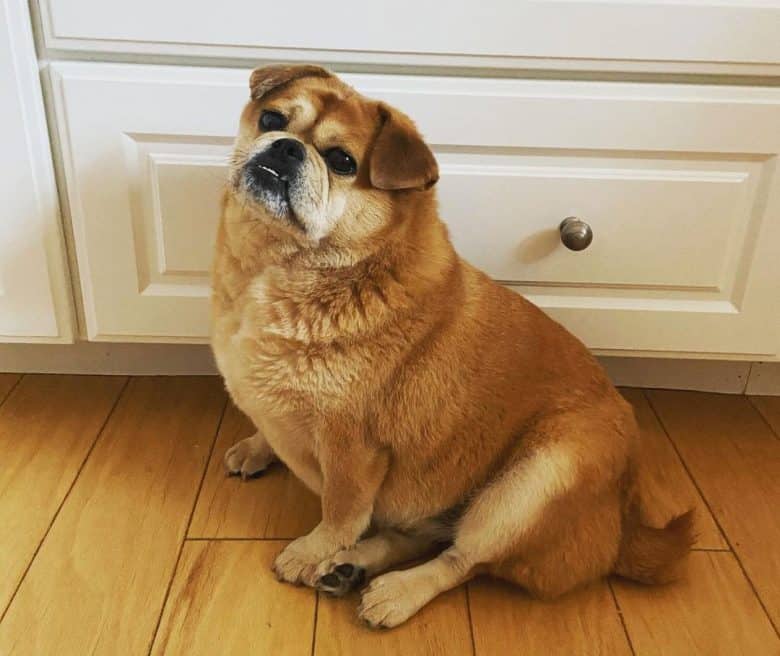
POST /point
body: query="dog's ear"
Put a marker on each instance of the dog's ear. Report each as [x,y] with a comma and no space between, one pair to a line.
[266,78]
[400,158]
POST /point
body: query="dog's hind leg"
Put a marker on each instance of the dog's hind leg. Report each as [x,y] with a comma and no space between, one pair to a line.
[499,517]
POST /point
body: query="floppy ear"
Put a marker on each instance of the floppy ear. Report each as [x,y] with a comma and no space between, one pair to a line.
[266,78]
[400,158]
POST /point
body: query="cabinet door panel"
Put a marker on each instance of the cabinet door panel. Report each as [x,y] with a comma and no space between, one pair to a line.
[34,294]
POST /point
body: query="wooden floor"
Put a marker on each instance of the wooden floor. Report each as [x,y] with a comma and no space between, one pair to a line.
[121,535]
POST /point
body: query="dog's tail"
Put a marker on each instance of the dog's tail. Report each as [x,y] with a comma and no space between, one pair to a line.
[654,555]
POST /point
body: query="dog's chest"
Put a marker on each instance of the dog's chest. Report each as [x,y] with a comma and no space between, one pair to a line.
[272,357]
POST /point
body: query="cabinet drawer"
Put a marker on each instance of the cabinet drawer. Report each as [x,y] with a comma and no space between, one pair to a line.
[678,184]
[528,33]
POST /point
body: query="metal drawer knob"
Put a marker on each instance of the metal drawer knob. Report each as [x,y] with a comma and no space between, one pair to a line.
[576,235]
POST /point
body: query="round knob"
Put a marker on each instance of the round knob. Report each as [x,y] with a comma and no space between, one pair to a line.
[576,235]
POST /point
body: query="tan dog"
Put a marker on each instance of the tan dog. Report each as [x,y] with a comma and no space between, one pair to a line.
[433,410]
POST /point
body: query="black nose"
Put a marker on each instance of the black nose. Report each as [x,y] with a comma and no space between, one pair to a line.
[279,163]
[288,149]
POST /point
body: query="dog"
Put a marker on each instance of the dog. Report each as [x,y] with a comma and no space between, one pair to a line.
[436,413]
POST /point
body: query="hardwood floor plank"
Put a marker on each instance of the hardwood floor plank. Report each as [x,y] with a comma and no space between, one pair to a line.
[769,407]
[666,486]
[507,621]
[98,582]
[713,611]
[47,426]
[276,505]
[440,629]
[735,460]
[226,600]
[7,382]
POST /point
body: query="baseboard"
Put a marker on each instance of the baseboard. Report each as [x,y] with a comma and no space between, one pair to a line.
[108,358]
[196,359]
[703,375]
[764,379]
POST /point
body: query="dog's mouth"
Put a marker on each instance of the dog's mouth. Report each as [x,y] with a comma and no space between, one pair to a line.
[271,188]
[267,184]
[264,177]
[273,173]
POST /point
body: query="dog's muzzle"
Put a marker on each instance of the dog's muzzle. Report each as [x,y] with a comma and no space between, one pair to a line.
[273,168]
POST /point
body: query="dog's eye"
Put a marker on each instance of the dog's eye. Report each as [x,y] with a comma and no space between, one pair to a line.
[271,121]
[340,162]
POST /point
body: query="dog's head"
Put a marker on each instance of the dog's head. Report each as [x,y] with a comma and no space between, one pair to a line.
[314,159]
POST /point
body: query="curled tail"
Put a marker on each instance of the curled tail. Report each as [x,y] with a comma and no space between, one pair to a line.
[655,555]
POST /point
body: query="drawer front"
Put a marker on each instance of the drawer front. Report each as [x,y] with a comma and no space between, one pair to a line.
[678,183]
[499,33]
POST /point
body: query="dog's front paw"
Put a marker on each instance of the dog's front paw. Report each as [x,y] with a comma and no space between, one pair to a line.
[299,560]
[295,566]
[249,457]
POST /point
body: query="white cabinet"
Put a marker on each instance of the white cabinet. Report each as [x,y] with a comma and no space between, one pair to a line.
[679,183]
[34,291]
[732,36]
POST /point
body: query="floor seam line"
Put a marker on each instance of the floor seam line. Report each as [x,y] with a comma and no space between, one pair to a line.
[316,618]
[98,435]
[239,539]
[761,414]
[471,621]
[714,517]
[713,549]
[622,619]
[187,527]
[683,464]
[11,389]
